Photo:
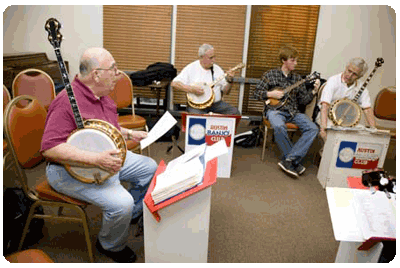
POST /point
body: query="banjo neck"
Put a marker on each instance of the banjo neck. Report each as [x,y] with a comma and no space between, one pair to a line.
[70,92]
[378,63]
[55,37]
[219,79]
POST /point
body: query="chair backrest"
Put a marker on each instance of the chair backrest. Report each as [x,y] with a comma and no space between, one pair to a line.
[36,83]
[6,98]
[123,92]
[312,105]
[24,127]
[385,104]
[320,91]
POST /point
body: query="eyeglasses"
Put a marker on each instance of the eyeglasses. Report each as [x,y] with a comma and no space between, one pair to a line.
[112,68]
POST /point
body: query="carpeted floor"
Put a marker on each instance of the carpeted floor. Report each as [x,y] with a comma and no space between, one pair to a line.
[259,215]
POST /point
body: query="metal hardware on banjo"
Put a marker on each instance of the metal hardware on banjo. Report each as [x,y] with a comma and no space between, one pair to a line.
[207,98]
[278,103]
[346,112]
[91,135]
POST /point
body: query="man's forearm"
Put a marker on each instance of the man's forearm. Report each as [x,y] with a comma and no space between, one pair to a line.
[370,116]
[67,154]
[182,87]
[324,115]
[227,88]
[126,133]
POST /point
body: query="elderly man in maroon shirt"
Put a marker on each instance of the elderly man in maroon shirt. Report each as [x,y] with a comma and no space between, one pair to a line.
[97,76]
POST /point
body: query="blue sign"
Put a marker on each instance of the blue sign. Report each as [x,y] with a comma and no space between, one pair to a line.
[346,154]
[197,131]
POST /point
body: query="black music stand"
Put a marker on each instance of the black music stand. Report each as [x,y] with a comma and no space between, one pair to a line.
[174,144]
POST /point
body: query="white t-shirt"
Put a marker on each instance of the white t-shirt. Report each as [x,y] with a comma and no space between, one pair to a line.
[195,73]
[335,89]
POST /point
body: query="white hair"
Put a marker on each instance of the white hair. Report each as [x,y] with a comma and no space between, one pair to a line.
[204,48]
[360,63]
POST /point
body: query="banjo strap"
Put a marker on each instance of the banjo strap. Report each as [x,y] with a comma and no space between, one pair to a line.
[212,72]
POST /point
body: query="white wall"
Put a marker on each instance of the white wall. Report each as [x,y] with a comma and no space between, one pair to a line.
[369,32]
[23,30]
[343,32]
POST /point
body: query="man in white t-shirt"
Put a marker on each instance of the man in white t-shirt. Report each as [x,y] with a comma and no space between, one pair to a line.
[204,70]
[344,85]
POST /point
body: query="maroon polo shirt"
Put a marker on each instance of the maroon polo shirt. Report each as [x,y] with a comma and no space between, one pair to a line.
[60,121]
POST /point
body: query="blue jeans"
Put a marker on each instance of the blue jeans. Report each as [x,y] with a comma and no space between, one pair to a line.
[119,205]
[294,152]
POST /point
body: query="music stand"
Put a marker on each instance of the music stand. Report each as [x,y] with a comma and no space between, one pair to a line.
[175,144]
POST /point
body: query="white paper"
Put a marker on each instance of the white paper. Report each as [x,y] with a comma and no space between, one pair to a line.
[358,214]
[196,152]
[165,123]
[377,214]
[179,179]
[344,220]
[185,171]
[216,150]
[180,173]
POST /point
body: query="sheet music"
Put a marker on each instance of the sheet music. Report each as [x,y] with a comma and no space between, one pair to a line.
[196,152]
[186,171]
[378,214]
[366,215]
[177,180]
[165,123]
[215,150]
[340,208]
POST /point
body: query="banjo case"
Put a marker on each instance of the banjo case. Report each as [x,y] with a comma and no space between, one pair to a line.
[154,72]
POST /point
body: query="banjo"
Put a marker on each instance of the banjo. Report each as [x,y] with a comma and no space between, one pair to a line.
[207,98]
[91,135]
[346,112]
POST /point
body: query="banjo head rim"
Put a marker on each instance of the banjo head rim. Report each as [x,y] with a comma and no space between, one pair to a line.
[203,100]
[332,113]
[114,136]
[203,105]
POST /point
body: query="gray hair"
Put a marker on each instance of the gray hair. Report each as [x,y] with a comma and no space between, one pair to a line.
[360,63]
[204,48]
[86,65]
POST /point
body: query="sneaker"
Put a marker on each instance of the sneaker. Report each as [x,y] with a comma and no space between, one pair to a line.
[123,256]
[287,166]
[299,169]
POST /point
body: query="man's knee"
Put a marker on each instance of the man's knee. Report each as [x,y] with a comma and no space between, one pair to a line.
[280,129]
[122,205]
[150,166]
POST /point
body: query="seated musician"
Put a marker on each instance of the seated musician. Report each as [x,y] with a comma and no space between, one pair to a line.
[270,87]
[96,79]
[204,70]
[344,85]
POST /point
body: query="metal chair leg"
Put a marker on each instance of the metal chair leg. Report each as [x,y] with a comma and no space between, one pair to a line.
[26,227]
[87,233]
[264,142]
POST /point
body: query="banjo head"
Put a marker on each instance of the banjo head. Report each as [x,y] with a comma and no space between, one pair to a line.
[97,136]
[345,113]
[203,100]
